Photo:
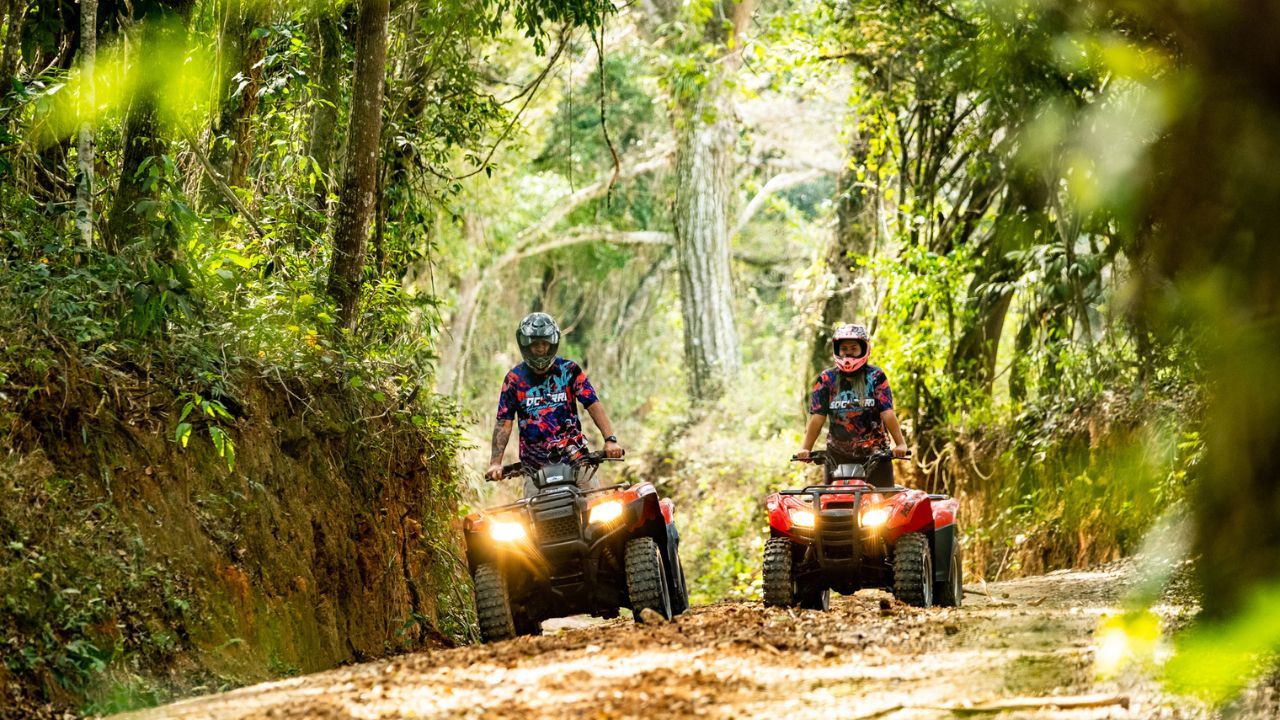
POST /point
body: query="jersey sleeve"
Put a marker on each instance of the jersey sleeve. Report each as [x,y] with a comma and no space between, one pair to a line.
[883,395]
[507,400]
[582,387]
[820,397]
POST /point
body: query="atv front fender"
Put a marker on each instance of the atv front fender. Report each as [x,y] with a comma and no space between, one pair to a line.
[909,512]
[945,543]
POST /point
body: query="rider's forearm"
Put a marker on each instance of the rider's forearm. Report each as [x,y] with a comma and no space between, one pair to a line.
[600,418]
[812,429]
[890,420]
[501,433]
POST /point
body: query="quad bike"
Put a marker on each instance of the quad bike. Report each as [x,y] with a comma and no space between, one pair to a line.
[565,551]
[848,534]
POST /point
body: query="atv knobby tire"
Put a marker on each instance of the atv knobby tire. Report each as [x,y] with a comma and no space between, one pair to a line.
[779,586]
[493,604]
[913,570]
[951,592]
[647,578]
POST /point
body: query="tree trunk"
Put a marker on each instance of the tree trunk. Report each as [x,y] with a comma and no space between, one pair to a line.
[143,138]
[854,237]
[356,200]
[973,362]
[324,120]
[88,101]
[701,212]
[702,244]
[15,18]
[234,128]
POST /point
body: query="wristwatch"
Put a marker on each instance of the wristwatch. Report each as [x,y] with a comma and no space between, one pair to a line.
[612,439]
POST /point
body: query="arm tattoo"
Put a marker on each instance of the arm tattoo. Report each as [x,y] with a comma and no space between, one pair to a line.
[501,433]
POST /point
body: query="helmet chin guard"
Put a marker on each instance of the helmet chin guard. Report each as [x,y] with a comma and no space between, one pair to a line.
[848,364]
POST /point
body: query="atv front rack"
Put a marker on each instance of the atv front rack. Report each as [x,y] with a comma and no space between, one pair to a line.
[836,536]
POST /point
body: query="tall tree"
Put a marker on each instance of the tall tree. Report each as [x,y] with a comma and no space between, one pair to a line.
[323,142]
[845,297]
[14,18]
[701,218]
[144,138]
[244,43]
[356,196]
[84,144]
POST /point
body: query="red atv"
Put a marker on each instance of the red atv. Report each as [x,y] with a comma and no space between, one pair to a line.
[564,551]
[848,534]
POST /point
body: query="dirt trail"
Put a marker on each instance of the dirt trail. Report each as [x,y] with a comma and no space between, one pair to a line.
[869,657]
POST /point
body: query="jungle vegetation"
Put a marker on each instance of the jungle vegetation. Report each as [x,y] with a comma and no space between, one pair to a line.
[1057,218]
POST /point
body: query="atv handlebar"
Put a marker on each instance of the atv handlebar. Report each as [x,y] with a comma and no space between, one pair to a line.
[516,469]
[820,456]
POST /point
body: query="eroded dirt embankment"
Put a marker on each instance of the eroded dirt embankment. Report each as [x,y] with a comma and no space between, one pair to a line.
[869,657]
[132,567]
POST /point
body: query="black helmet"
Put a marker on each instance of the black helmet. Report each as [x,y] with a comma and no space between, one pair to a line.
[538,326]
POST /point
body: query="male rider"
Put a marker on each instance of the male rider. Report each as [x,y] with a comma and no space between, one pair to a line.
[857,398]
[543,392]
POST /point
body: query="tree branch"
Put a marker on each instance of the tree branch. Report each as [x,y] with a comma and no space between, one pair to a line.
[575,200]
[776,184]
[221,184]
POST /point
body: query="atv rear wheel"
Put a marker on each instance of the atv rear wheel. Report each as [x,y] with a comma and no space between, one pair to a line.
[951,592]
[493,604]
[913,570]
[647,578]
[779,586]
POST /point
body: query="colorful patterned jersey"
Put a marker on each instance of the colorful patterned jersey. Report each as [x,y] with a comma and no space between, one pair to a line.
[853,403]
[550,430]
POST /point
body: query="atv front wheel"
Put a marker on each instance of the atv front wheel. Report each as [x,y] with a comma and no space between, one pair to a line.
[647,578]
[913,570]
[779,587]
[951,592]
[493,604]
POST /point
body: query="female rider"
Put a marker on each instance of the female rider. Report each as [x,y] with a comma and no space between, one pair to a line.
[857,398]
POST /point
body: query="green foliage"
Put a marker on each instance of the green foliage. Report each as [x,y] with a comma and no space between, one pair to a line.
[213,412]
[577,140]
[1216,660]
[79,589]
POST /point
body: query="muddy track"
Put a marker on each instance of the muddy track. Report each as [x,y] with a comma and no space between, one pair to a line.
[869,657]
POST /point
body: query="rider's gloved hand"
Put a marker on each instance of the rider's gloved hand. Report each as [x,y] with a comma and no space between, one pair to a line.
[495,471]
[613,449]
[802,454]
[900,451]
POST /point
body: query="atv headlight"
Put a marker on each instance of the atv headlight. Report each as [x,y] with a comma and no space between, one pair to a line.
[507,531]
[605,512]
[875,517]
[801,518]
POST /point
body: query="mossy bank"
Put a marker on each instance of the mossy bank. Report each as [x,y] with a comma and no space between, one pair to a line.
[134,569]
